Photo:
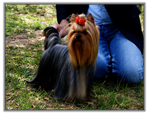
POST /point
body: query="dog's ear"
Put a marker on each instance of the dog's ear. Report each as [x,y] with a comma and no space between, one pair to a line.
[90,18]
[73,17]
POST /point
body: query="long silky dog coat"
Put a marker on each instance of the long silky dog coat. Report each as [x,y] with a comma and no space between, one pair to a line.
[56,72]
[68,70]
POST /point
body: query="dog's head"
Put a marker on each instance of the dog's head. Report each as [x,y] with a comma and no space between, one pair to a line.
[83,40]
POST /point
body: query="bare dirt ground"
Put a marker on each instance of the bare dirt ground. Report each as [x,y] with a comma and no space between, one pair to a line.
[23,40]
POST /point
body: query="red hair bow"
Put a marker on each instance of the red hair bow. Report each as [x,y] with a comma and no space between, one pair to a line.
[80,21]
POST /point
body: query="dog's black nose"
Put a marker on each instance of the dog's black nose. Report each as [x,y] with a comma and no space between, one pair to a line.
[78,36]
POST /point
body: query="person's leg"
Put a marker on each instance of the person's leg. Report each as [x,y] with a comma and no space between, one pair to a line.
[103,58]
[127,60]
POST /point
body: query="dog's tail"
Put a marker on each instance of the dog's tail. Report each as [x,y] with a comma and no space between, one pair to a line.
[43,76]
[51,36]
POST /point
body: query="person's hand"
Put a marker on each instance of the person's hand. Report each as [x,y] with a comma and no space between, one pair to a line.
[61,28]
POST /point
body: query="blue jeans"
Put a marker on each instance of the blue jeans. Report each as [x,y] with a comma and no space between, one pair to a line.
[119,56]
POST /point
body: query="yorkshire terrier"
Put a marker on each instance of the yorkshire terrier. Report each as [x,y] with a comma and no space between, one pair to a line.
[68,70]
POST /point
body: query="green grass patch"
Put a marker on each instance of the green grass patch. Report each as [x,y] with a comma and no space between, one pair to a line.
[21,18]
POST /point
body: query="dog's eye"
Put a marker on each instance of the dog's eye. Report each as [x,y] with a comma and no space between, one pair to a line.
[84,32]
[74,32]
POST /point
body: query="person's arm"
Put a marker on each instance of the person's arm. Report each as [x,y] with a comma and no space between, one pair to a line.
[62,14]
[61,27]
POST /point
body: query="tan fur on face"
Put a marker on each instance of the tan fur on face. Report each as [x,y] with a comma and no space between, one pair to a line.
[83,51]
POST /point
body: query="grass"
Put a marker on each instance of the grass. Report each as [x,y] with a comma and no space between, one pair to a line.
[21,63]
[22,18]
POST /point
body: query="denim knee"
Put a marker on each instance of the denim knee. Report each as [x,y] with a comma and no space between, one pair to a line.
[132,74]
[102,67]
